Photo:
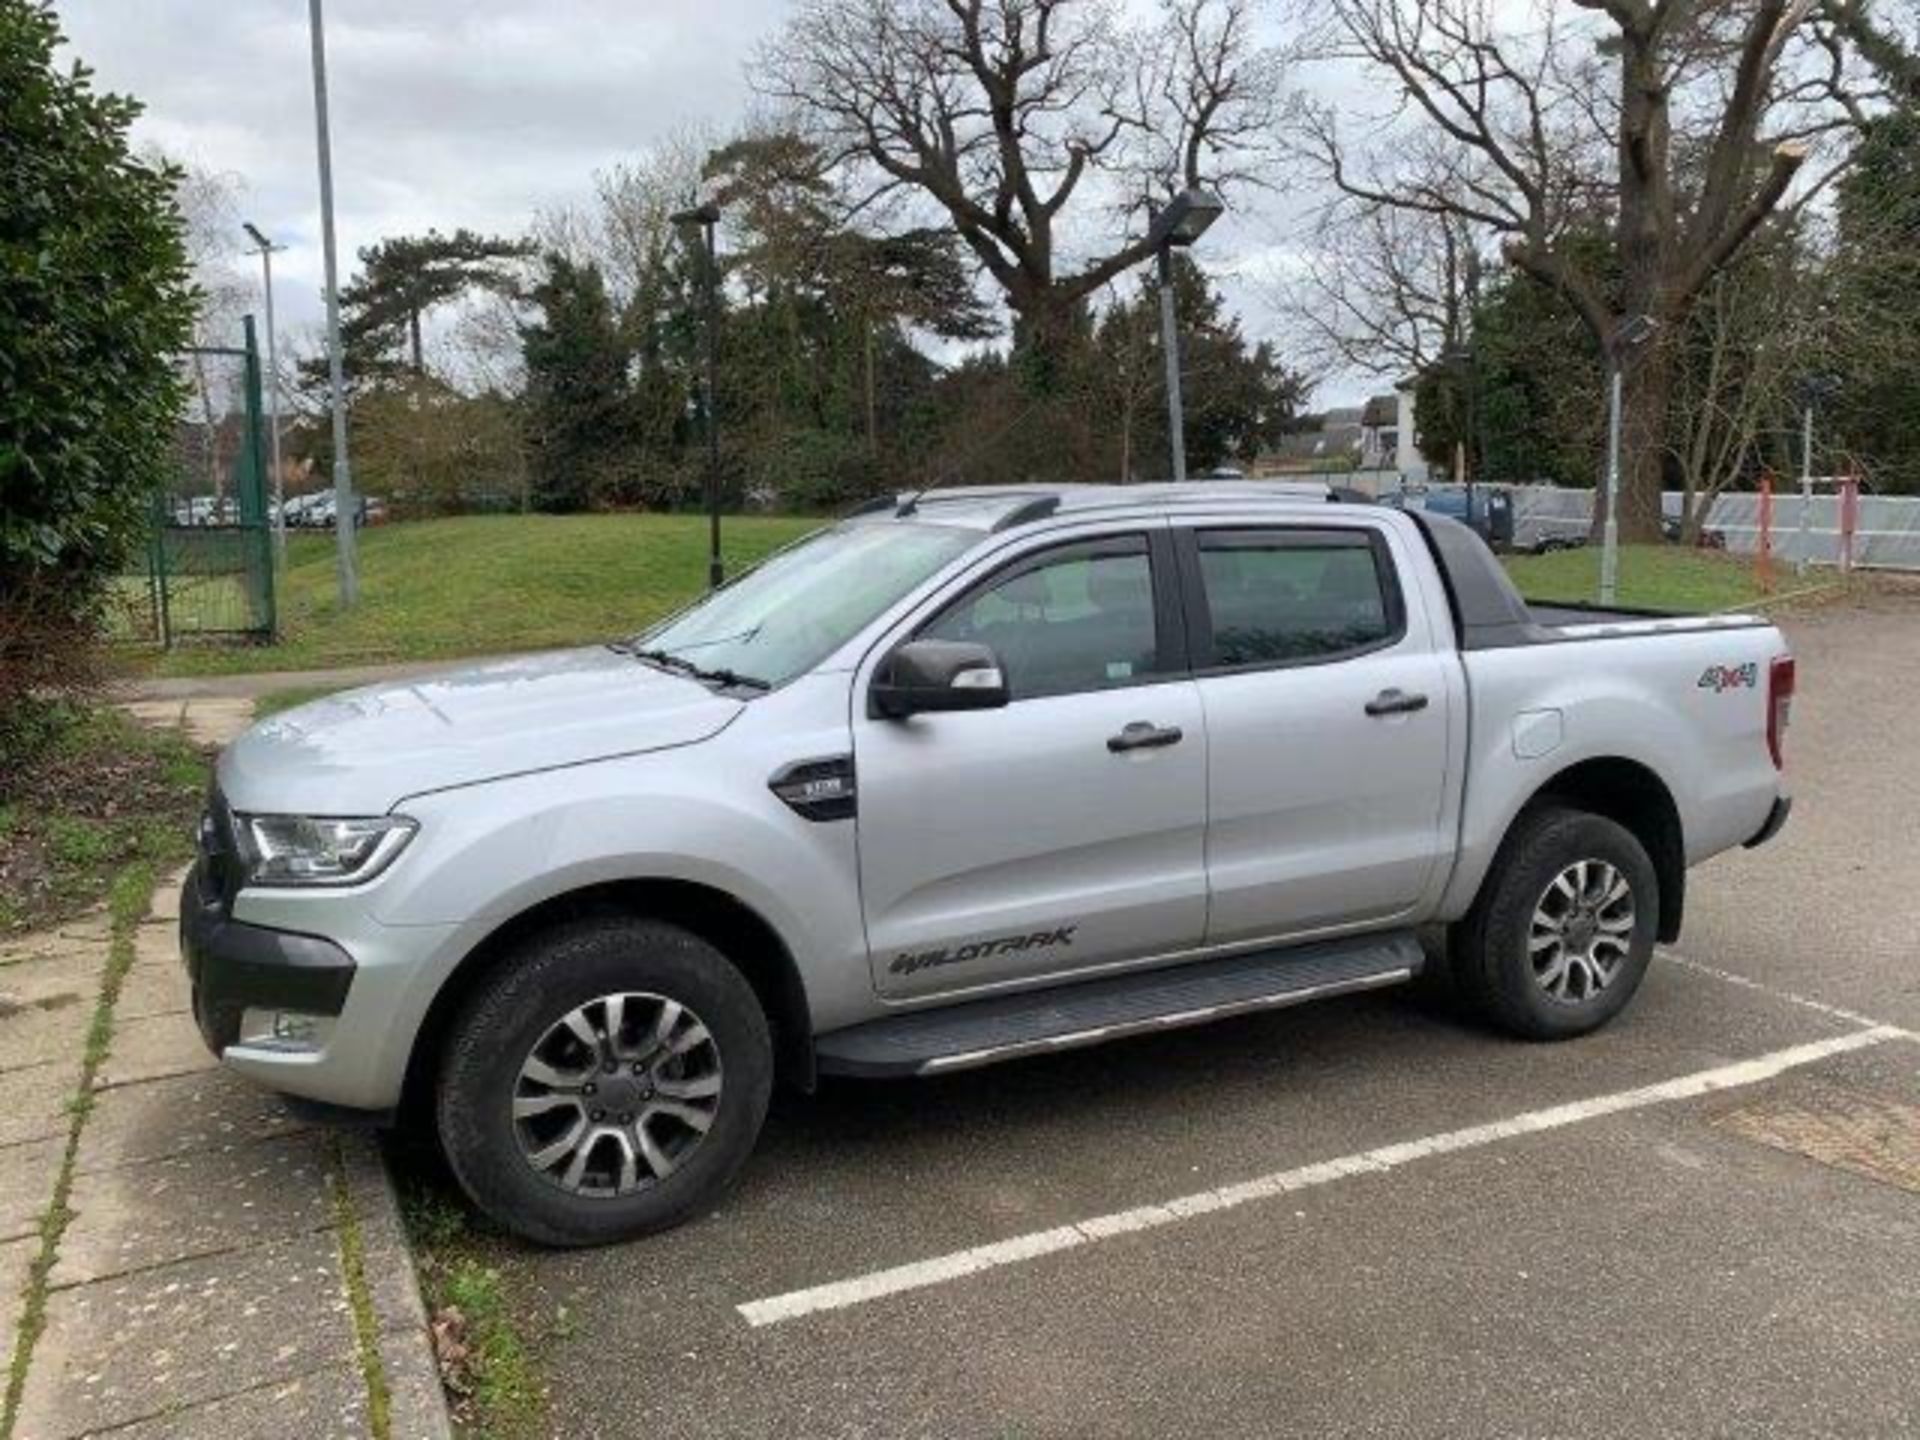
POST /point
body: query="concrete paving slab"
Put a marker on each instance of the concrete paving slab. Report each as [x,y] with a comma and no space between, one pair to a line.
[330,1404]
[153,1048]
[54,975]
[162,714]
[37,1101]
[133,1217]
[164,906]
[161,1341]
[151,990]
[84,934]
[216,720]
[16,1259]
[156,946]
[27,1173]
[35,1033]
[206,1111]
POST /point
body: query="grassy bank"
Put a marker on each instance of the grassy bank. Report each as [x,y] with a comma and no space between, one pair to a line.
[487,584]
[479,585]
[1652,577]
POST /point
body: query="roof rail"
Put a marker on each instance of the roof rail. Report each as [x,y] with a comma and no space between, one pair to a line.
[874,506]
[1036,509]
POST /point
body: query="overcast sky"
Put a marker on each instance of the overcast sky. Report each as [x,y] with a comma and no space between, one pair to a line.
[447,112]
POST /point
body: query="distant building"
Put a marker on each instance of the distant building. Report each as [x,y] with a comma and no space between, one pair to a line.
[1380,433]
[1408,460]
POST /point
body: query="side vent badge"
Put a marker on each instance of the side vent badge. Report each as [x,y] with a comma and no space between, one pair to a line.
[817,789]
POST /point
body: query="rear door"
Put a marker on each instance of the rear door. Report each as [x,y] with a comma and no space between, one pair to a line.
[1000,845]
[1326,707]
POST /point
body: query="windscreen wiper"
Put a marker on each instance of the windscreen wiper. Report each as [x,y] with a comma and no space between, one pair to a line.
[680,665]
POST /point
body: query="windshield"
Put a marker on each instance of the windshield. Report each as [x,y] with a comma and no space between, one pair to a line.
[787,616]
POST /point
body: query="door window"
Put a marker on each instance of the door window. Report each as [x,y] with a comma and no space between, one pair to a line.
[1080,617]
[1278,598]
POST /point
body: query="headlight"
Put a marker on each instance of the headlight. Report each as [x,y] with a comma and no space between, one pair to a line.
[312,850]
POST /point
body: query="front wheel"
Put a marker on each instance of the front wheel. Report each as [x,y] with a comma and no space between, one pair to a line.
[1563,930]
[607,1081]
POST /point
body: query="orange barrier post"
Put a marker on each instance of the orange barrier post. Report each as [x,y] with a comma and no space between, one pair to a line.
[1763,553]
[1849,519]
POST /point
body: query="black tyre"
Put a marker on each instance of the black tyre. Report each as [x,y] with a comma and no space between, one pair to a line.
[1563,930]
[608,1080]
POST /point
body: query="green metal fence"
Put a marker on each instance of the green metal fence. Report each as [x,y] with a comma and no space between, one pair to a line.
[207,567]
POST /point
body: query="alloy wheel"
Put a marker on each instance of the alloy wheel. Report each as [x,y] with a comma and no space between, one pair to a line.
[1581,931]
[617,1094]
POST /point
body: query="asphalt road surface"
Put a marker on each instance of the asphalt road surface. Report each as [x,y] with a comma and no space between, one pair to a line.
[1360,1218]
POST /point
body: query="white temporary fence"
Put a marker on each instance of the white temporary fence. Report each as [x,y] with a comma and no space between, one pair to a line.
[1886,527]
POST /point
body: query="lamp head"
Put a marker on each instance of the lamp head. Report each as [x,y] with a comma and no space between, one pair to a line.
[1185,218]
[706,213]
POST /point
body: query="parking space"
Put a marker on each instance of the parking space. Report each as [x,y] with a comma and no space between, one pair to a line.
[1367,1217]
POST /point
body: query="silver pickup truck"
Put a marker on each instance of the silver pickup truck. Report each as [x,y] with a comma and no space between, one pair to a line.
[967,776]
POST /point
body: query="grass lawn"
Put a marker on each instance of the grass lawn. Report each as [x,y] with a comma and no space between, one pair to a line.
[491,584]
[1652,577]
[101,796]
[487,584]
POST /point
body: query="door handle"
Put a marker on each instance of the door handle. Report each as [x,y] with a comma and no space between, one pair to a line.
[1395,702]
[1144,735]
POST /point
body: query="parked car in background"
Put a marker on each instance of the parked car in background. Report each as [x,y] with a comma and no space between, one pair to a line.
[1487,510]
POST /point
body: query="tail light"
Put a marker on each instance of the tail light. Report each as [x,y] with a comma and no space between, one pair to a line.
[1779,708]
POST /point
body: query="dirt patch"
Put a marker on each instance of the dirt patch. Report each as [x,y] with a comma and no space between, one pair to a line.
[104,792]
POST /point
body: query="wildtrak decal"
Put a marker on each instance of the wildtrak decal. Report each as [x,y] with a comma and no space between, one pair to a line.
[1730,677]
[909,962]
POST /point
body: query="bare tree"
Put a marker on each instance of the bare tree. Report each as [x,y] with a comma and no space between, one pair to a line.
[1887,35]
[1015,117]
[1383,290]
[209,203]
[1680,126]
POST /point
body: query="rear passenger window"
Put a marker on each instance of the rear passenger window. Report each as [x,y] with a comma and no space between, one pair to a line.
[1279,598]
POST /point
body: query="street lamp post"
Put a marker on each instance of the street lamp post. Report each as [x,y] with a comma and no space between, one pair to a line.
[266,248]
[343,511]
[707,218]
[1633,331]
[1184,220]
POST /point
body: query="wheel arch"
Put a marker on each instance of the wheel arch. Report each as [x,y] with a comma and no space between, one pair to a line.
[723,920]
[1634,797]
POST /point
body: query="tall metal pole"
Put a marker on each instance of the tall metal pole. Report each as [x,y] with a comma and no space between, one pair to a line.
[1610,529]
[273,406]
[1170,343]
[716,571]
[1805,547]
[343,511]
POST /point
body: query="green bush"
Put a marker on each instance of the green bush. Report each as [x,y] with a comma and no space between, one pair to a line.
[95,298]
[816,470]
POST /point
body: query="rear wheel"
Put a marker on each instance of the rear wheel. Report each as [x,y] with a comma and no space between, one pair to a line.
[607,1081]
[1563,931]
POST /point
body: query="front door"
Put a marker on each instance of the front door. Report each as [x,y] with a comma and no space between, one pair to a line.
[1327,712]
[1066,830]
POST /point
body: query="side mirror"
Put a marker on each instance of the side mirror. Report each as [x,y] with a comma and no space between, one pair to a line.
[928,675]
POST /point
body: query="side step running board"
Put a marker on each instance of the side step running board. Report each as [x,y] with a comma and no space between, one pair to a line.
[981,1032]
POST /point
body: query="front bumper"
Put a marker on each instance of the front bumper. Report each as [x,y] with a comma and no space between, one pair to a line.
[1776,818]
[235,967]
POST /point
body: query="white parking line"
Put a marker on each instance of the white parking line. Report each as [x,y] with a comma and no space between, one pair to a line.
[921,1274]
[1790,997]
